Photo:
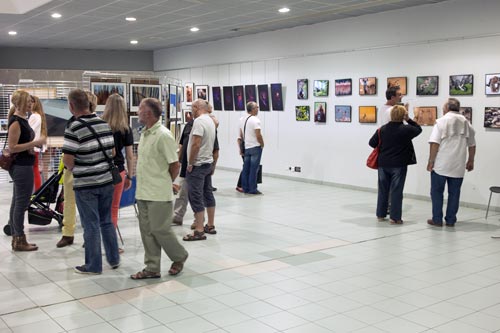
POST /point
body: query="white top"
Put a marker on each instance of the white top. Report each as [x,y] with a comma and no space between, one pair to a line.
[385,114]
[35,122]
[454,135]
[203,126]
[253,124]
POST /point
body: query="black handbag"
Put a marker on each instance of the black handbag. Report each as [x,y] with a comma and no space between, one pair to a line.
[242,142]
[6,158]
[115,172]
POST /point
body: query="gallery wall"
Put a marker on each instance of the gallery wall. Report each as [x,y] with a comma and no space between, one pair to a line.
[444,39]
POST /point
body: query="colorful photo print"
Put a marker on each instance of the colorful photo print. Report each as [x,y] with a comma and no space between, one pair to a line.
[277,97]
[425,115]
[4,128]
[343,87]
[140,91]
[461,84]
[367,86]
[202,92]
[173,102]
[427,85]
[188,93]
[343,113]
[228,98]
[321,88]
[136,127]
[302,89]
[466,111]
[250,93]
[302,113]
[103,90]
[492,117]
[217,97]
[264,103]
[239,98]
[367,114]
[187,115]
[320,112]
[399,81]
[492,86]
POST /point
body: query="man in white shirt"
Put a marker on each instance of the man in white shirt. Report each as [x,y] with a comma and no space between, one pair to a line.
[250,134]
[393,96]
[451,139]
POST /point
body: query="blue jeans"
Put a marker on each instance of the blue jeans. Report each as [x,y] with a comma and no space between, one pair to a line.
[391,180]
[94,206]
[251,165]
[437,189]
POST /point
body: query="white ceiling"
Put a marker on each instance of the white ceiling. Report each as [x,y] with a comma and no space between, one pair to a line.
[100,24]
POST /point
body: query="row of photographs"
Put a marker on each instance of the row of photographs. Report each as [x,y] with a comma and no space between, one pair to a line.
[426,86]
[137,93]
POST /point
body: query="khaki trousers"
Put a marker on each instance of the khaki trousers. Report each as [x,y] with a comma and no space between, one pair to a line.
[69,220]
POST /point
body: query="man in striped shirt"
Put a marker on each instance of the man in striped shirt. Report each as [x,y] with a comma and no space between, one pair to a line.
[93,183]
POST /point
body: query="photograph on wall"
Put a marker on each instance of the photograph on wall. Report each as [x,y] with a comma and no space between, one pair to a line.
[165,97]
[187,115]
[45,93]
[188,93]
[367,86]
[492,86]
[425,115]
[399,81]
[180,90]
[320,112]
[466,111]
[427,85]
[343,113]
[239,98]
[217,98]
[103,90]
[263,90]
[202,92]
[367,114]
[461,84]
[343,87]
[173,103]
[140,91]
[56,115]
[302,89]
[4,126]
[277,97]
[250,93]
[302,113]
[320,88]
[492,117]
[228,98]
[136,128]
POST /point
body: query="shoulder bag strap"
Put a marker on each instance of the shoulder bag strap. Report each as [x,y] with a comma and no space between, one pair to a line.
[379,139]
[245,127]
[110,161]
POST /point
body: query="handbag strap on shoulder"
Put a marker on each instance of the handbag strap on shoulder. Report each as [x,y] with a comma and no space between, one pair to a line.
[245,127]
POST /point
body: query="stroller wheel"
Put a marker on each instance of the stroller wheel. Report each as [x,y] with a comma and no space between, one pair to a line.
[7,230]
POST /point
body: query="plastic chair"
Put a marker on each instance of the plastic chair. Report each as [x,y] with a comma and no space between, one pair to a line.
[493,189]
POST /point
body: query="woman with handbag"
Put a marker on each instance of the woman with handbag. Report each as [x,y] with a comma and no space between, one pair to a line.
[20,138]
[396,152]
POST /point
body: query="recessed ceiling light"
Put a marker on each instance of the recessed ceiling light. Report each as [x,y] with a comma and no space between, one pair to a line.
[284,10]
[133,42]
[194,29]
[12,33]
[56,15]
[131,19]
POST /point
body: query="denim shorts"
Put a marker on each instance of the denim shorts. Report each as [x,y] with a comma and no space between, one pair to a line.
[199,182]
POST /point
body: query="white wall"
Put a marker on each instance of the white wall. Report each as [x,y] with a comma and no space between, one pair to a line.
[381,45]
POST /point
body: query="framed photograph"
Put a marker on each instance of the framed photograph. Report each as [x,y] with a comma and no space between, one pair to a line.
[188,93]
[104,89]
[492,117]
[399,81]
[180,90]
[320,112]
[343,113]
[56,115]
[427,85]
[277,97]
[302,113]
[425,115]
[321,88]
[466,111]
[239,98]
[367,114]
[4,126]
[173,102]
[202,92]
[343,87]
[187,115]
[140,91]
[263,90]
[217,98]
[492,86]
[250,93]
[302,89]
[136,128]
[461,84]
[228,98]
[367,86]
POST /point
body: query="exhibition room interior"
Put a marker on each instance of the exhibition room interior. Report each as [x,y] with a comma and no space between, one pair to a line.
[309,254]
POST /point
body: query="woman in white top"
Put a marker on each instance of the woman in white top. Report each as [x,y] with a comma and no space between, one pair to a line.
[38,123]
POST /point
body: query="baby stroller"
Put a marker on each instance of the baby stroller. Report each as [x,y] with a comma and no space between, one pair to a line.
[39,211]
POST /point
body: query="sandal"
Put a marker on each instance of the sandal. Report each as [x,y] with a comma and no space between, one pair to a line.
[195,236]
[396,222]
[193,226]
[144,274]
[177,267]
[209,229]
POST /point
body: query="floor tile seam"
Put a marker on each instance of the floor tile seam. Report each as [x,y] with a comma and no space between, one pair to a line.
[50,318]
[138,330]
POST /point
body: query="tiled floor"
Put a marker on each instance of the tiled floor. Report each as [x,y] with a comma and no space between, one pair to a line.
[300,258]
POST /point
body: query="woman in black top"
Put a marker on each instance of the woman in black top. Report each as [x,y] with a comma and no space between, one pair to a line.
[396,153]
[20,139]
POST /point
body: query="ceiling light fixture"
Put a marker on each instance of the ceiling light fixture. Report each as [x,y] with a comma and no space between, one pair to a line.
[131,19]
[12,33]
[56,15]
[284,10]
[194,29]
[133,42]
